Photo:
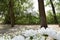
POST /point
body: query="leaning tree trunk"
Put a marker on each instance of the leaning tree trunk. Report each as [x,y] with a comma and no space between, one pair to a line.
[11,13]
[42,13]
[54,13]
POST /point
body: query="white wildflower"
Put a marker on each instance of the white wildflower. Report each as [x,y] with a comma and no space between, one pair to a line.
[42,31]
[58,35]
[30,32]
[18,38]
[51,32]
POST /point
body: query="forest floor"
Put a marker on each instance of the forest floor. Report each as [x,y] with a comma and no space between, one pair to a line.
[9,29]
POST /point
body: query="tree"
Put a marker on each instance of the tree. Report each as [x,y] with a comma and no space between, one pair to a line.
[11,13]
[20,10]
[42,13]
[54,13]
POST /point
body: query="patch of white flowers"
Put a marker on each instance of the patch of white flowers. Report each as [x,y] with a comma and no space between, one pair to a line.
[39,34]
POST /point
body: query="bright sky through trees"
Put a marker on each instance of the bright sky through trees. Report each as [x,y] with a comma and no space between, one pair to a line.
[36,6]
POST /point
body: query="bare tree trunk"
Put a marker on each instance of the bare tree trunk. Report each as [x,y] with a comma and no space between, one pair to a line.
[54,13]
[11,13]
[42,13]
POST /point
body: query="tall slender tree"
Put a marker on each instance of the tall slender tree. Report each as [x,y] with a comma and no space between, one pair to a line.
[54,13]
[11,13]
[42,13]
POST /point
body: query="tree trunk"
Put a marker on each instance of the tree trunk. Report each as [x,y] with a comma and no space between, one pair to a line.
[42,13]
[54,13]
[11,13]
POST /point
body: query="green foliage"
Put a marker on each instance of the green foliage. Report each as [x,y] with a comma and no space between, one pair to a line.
[22,16]
[47,2]
[56,4]
[58,17]
[27,19]
[50,18]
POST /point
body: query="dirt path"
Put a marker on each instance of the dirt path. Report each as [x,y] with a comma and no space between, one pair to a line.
[8,29]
